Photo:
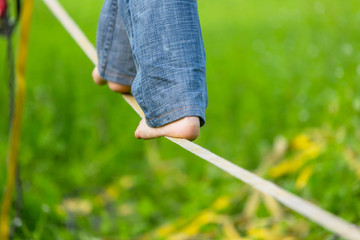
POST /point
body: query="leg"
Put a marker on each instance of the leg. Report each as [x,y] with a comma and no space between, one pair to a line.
[170,84]
[116,65]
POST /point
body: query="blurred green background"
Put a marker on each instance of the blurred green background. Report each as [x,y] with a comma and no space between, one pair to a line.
[284,102]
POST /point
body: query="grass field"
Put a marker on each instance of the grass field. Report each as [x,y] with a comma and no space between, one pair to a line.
[284,102]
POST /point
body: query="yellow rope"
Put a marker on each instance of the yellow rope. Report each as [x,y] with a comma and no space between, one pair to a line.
[17,117]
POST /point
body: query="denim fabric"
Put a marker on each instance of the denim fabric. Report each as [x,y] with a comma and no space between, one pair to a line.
[160,43]
[116,62]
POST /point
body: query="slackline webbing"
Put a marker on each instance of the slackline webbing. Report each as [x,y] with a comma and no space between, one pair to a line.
[327,220]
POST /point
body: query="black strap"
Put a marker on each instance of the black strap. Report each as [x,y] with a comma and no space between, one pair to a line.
[11,81]
[6,29]
[18,9]
[7,24]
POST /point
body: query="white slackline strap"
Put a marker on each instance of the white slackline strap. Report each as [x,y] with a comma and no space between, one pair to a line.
[327,220]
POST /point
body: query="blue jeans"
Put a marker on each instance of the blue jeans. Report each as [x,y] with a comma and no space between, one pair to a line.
[156,47]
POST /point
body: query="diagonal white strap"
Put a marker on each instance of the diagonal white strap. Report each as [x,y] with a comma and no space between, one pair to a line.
[305,208]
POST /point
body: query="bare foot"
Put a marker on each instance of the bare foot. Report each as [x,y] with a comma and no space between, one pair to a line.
[187,127]
[96,77]
[115,87]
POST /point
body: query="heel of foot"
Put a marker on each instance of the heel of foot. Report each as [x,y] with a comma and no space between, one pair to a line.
[188,128]
[192,128]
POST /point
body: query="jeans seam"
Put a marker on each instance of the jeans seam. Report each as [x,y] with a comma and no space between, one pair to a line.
[141,101]
[119,75]
[111,33]
[173,112]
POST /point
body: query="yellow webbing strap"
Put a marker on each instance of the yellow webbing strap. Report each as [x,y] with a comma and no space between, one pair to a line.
[15,129]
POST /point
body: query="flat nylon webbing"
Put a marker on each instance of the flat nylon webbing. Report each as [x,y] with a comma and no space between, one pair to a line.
[316,214]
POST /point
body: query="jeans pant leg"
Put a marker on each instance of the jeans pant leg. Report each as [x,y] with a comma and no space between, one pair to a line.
[166,42]
[115,57]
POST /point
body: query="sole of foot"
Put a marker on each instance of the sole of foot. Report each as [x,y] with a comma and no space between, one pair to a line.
[187,127]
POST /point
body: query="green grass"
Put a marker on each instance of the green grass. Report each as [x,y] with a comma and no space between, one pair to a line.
[275,68]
